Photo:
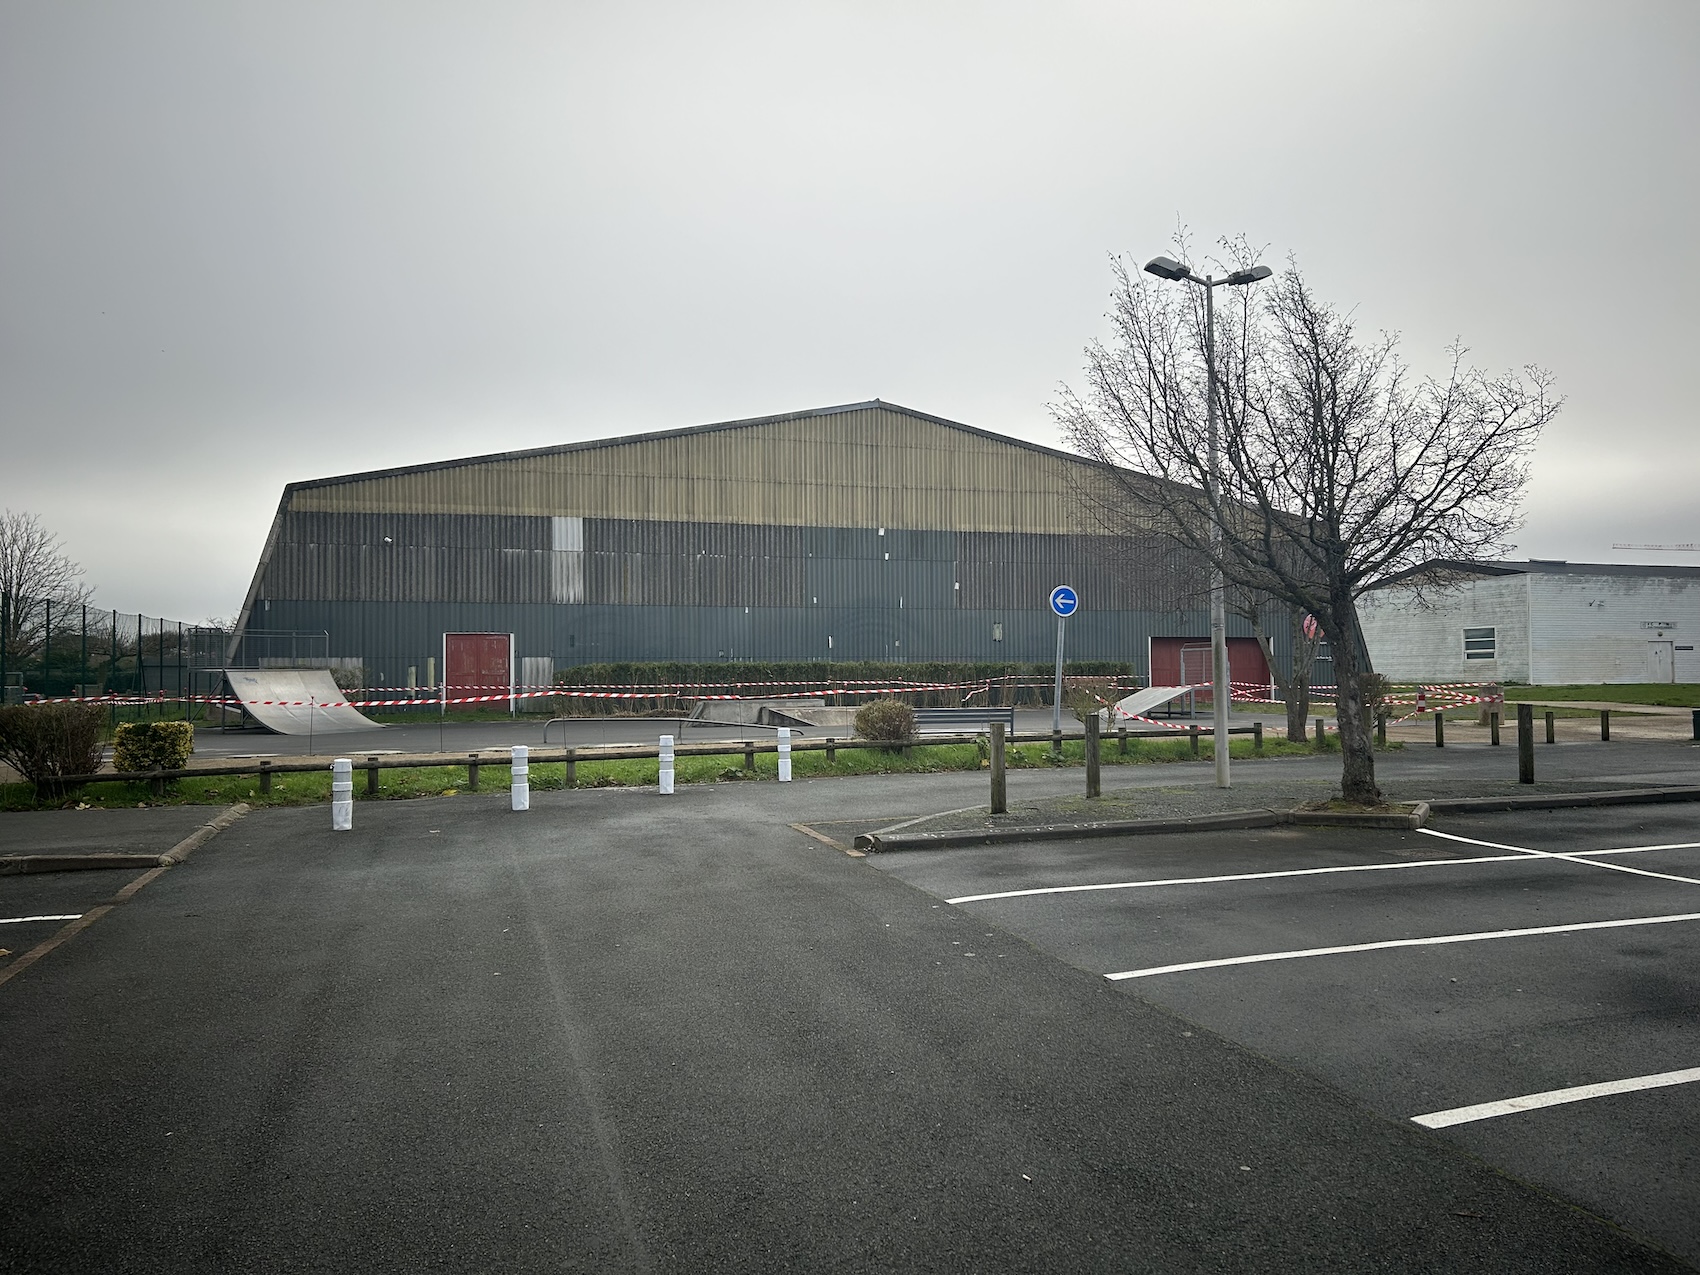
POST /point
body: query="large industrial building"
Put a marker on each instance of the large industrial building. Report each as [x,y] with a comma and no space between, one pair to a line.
[868,531]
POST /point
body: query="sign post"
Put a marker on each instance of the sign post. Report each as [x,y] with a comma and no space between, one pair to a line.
[1064,603]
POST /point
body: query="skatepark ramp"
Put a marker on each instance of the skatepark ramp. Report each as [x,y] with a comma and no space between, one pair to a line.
[1142,702]
[293,701]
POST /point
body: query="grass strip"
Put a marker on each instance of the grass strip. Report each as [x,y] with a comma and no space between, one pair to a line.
[448,781]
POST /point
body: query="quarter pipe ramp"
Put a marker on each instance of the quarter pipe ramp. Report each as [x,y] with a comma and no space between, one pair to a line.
[1142,702]
[296,701]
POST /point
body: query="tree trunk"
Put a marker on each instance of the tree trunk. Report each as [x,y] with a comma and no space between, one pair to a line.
[1357,771]
[1294,687]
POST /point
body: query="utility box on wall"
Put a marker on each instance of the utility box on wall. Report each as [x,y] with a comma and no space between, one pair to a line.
[478,664]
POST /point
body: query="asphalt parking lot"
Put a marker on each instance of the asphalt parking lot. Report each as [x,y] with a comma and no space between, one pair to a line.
[626,1033]
[1401,967]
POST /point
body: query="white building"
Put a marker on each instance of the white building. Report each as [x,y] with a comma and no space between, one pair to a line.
[1540,622]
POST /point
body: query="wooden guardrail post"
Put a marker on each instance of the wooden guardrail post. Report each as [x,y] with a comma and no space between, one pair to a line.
[1092,742]
[831,751]
[1000,795]
[1525,744]
[1321,736]
[1121,740]
[1493,728]
[749,756]
[572,768]
[1439,729]
[1605,725]
[472,772]
[1381,729]
[1257,737]
[265,779]
[371,776]
[1552,736]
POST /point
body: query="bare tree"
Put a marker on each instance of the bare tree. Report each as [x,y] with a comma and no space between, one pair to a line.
[1339,466]
[1292,681]
[35,573]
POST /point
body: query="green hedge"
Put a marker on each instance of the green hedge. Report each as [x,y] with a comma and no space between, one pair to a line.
[152,745]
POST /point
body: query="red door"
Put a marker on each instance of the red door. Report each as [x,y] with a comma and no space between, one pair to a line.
[478,664]
[1186,662]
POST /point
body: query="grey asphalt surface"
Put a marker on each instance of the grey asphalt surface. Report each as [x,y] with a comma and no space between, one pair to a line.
[1416,1030]
[622,1032]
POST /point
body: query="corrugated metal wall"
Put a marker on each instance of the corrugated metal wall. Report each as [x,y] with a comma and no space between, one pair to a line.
[854,534]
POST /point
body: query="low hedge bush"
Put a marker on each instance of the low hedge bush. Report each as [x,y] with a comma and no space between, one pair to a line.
[153,745]
[44,741]
[885,721]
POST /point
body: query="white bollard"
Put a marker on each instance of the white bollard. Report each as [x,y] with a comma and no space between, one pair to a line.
[342,794]
[666,765]
[521,786]
[784,754]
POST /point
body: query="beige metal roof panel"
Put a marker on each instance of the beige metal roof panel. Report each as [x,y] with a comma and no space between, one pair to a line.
[860,467]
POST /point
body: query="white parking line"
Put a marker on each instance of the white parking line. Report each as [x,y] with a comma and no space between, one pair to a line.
[1569,858]
[20,920]
[1385,944]
[1554,1098]
[1520,856]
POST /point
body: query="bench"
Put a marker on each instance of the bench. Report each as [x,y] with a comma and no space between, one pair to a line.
[960,721]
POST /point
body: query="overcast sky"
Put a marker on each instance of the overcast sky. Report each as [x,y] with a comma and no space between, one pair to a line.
[244,244]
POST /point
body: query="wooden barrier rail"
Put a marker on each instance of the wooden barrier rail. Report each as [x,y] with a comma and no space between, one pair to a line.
[595,752]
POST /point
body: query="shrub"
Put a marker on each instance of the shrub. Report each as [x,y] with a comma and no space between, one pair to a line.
[153,745]
[1086,696]
[885,721]
[44,741]
[1375,690]
[352,679]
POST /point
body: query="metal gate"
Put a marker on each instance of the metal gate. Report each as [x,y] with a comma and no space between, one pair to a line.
[477,664]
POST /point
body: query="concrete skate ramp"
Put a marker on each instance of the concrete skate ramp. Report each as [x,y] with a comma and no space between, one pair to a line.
[1141,703]
[291,701]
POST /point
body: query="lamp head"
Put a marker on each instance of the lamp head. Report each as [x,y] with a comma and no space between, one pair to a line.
[1166,268]
[1250,274]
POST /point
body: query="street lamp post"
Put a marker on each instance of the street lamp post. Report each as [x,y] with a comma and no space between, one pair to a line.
[1166,268]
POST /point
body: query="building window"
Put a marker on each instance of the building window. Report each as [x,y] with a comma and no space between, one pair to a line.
[1479,644]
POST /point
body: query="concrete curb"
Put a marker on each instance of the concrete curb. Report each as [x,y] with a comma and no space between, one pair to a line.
[1566,800]
[200,836]
[19,864]
[1417,818]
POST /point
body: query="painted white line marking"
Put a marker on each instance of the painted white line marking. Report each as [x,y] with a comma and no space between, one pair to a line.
[1520,855]
[1569,858]
[1555,1098]
[1392,943]
[20,920]
[910,823]
[1237,876]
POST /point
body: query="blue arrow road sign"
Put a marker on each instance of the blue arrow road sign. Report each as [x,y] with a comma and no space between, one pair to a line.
[1064,601]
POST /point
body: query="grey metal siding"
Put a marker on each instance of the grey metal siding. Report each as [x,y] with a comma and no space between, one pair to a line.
[856,533]
[388,638]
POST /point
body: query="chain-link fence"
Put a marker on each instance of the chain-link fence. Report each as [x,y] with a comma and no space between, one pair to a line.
[71,650]
[63,650]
